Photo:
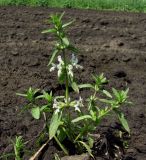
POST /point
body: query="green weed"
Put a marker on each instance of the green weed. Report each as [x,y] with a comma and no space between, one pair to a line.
[61,124]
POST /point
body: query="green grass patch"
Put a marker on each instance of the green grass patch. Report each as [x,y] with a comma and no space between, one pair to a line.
[123,5]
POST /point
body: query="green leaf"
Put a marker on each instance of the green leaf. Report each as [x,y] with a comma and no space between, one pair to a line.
[61,135]
[85,86]
[61,16]
[67,24]
[54,124]
[45,108]
[53,56]
[56,157]
[115,92]
[35,112]
[107,93]
[87,148]
[106,101]
[81,118]
[127,90]
[49,31]
[123,121]
[31,94]
[93,114]
[90,141]
[65,41]
[75,87]
[20,94]
[72,48]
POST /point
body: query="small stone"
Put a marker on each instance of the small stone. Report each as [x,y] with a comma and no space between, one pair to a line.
[96,28]
[131,151]
[126,59]
[77,157]
[34,63]
[106,46]
[113,36]
[15,53]
[134,36]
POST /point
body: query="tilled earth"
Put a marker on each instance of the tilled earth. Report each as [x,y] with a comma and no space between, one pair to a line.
[109,42]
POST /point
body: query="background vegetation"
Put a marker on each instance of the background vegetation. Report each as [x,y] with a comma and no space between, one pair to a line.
[124,5]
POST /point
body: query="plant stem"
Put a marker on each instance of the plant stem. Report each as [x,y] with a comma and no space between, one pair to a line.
[66,79]
[67,91]
[61,146]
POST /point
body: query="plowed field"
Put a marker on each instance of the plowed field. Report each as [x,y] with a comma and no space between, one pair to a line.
[109,42]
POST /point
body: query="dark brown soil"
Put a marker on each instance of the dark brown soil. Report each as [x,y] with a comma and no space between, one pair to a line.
[110,42]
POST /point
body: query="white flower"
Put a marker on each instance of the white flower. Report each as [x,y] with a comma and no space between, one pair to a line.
[53,67]
[55,103]
[78,104]
[59,72]
[81,102]
[70,68]
[57,110]
[60,60]
[74,61]
[60,66]
[56,106]
[77,108]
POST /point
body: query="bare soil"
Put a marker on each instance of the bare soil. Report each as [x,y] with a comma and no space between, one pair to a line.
[110,42]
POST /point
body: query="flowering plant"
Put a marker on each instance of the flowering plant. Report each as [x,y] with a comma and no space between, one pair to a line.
[71,119]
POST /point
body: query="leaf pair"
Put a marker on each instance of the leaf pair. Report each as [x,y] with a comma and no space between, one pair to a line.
[30,94]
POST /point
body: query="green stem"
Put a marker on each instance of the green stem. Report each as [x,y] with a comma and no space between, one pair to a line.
[67,88]
[61,146]
[66,79]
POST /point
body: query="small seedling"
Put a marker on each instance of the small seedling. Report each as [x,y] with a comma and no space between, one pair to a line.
[18,147]
[61,124]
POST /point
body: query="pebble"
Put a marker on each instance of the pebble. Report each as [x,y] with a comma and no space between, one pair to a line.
[15,53]
[131,151]
[77,157]
[126,59]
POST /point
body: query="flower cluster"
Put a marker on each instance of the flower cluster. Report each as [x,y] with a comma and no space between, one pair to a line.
[74,62]
[69,67]
[58,66]
[58,105]
[78,104]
